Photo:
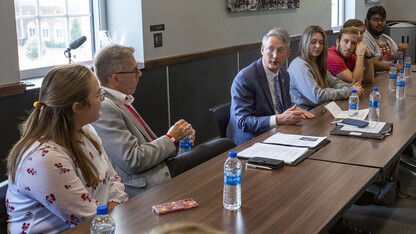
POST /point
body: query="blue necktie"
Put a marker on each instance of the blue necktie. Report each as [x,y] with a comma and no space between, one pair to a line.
[277,95]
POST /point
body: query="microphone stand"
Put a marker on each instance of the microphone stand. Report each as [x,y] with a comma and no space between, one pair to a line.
[69,56]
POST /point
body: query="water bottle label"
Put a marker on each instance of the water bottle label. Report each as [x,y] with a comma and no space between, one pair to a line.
[399,57]
[400,83]
[353,106]
[407,65]
[185,145]
[232,180]
[392,76]
[374,104]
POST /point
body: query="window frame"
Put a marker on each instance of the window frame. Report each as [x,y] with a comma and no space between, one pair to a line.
[340,15]
[94,15]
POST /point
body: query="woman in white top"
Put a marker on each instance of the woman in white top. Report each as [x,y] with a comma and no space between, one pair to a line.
[58,170]
[310,82]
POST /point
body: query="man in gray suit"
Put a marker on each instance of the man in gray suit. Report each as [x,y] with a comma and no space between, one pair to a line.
[140,157]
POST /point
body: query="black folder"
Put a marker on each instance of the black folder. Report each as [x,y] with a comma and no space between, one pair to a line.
[388,127]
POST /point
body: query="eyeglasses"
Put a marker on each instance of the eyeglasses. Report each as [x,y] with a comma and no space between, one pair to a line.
[280,51]
[101,94]
[136,71]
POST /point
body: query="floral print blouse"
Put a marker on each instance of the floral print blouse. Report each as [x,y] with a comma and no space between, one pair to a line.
[50,194]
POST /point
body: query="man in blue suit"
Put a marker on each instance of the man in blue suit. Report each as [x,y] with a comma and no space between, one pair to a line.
[260,98]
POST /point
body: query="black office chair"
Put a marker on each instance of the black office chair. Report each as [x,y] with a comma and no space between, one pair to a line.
[221,114]
[3,210]
[407,171]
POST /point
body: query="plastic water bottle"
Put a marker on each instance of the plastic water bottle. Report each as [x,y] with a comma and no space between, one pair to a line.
[232,182]
[353,104]
[392,77]
[102,223]
[374,112]
[185,144]
[400,87]
[407,66]
[400,57]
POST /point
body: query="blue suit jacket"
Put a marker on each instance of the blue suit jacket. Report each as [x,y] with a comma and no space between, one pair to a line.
[252,104]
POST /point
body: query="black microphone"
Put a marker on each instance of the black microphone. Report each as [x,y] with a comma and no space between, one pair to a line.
[76,43]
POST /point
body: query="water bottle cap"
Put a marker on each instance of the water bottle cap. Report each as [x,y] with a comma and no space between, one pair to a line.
[401,71]
[407,55]
[393,65]
[102,210]
[232,154]
[375,89]
[353,91]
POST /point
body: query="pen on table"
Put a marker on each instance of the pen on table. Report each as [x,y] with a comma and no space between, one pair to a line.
[257,166]
[335,122]
[323,111]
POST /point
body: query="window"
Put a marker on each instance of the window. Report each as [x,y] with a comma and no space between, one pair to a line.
[59,33]
[45,32]
[31,28]
[337,13]
[58,22]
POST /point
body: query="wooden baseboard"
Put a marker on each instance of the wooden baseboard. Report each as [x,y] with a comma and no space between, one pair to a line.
[12,89]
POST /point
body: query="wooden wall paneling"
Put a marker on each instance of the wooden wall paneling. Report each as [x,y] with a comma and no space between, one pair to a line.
[13,111]
[249,56]
[151,100]
[197,86]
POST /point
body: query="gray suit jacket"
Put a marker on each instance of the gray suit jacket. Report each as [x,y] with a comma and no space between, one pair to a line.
[138,160]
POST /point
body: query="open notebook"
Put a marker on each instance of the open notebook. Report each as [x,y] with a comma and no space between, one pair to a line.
[287,147]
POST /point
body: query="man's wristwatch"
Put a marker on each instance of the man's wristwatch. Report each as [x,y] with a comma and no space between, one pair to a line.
[368,57]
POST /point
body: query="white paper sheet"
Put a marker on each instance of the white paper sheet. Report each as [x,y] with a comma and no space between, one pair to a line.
[295,140]
[340,114]
[286,153]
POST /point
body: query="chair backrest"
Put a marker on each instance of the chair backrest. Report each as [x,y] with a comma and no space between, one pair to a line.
[221,114]
[3,210]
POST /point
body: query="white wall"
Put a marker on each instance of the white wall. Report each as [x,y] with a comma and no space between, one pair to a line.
[9,63]
[400,9]
[198,25]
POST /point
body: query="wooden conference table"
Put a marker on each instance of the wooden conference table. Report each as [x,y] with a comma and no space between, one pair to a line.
[307,198]
[360,151]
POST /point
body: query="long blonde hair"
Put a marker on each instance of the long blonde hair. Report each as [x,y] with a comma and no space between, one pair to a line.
[320,65]
[53,119]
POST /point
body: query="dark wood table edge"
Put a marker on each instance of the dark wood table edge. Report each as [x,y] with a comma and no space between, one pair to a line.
[344,209]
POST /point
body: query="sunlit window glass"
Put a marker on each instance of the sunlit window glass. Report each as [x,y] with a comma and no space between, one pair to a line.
[46,27]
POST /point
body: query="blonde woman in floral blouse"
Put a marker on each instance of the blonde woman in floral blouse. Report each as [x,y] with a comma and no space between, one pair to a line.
[58,170]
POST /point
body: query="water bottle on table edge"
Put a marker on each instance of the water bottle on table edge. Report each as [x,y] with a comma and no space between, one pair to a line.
[232,182]
[407,66]
[102,223]
[400,57]
[374,111]
[353,101]
[392,77]
[185,144]
[400,87]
